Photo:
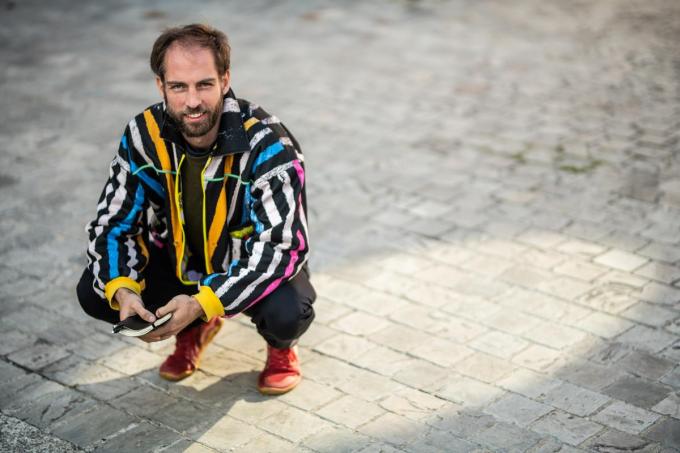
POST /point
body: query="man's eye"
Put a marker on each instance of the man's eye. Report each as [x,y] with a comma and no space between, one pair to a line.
[176,87]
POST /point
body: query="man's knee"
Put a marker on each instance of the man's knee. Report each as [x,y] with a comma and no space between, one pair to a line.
[289,321]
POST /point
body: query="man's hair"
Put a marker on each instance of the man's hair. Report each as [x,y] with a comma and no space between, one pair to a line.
[200,35]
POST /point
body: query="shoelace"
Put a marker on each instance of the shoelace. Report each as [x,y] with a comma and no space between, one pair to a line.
[280,359]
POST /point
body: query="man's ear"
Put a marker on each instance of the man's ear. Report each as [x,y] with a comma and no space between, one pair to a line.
[226,82]
[159,84]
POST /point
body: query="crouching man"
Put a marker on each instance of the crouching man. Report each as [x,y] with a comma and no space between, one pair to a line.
[203,216]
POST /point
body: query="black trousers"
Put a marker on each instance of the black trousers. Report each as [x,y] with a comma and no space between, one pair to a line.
[281,317]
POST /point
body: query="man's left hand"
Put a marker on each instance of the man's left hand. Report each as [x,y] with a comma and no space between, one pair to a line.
[185,309]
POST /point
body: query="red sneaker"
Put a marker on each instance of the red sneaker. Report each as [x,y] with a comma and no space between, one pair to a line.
[281,373]
[189,345]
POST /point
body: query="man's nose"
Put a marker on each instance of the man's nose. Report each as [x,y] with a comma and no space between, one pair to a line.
[193,100]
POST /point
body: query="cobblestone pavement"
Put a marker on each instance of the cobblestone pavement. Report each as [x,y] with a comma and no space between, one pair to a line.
[495,204]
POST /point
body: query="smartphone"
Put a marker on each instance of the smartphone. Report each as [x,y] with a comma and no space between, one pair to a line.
[135,326]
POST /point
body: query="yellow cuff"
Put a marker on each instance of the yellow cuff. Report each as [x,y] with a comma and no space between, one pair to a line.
[211,304]
[120,282]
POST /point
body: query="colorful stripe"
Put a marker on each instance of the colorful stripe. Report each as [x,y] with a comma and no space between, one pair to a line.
[123,227]
[268,153]
[164,158]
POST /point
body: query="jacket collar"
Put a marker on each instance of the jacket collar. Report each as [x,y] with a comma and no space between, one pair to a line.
[231,135]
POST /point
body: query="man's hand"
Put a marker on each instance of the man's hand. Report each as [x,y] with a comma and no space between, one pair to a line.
[185,309]
[131,304]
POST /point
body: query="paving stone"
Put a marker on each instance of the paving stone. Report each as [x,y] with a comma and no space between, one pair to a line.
[517,409]
[660,294]
[554,335]
[333,439]
[672,378]
[529,383]
[229,432]
[14,340]
[645,365]
[310,395]
[666,431]
[574,399]
[511,321]
[664,273]
[394,429]
[650,314]
[564,287]
[86,428]
[536,357]
[504,436]
[9,372]
[637,391]
[344,346]
[253,407]
[292,424]
[626,417]
[652,340]
[413,404]
[370,386]
[622,278]
[436,441]
[421,374]
[484,367]
[669,406]
[144,401]
[132,360]
[38,356]
[400,338]
[359,324]
[604,325]
[661,252]
[270,444]
[610,353]
[142,437]
[498,344]
[621,260]
[350,411]
[329,371]
[588,374]
[578,247]
[468,392]
[582,270]
[462,423]
[611,298]
[611,440]
[97,380]
[541,238]
[441,352]
[566,427]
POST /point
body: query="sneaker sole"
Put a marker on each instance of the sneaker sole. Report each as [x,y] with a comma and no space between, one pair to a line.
[186,374]
[278,390]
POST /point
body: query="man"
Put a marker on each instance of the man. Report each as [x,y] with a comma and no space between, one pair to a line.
[203,216]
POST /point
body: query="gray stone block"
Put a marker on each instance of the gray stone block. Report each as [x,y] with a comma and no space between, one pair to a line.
[637,391]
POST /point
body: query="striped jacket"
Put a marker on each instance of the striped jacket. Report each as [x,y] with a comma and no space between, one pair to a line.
[254,209]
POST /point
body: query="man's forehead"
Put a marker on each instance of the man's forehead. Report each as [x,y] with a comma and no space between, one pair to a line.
[189,57]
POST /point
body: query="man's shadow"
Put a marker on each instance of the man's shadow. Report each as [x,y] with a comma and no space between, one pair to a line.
[217,406]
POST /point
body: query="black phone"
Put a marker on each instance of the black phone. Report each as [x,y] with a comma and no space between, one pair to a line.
[135,326]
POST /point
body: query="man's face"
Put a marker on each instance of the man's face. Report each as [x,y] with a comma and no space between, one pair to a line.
[193,90]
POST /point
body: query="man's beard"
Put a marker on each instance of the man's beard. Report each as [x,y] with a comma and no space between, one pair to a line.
[199,129]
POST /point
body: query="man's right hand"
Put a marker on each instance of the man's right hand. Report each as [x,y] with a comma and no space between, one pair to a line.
[131,304]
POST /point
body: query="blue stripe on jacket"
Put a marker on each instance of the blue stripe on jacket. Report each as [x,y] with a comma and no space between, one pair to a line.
[271,151]
[123,227]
